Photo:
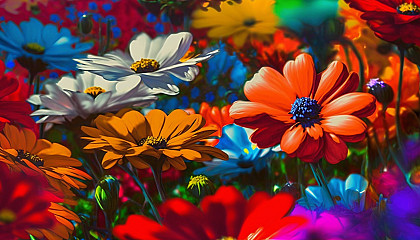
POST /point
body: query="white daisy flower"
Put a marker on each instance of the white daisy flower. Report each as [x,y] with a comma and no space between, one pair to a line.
[154,61]
[88,94]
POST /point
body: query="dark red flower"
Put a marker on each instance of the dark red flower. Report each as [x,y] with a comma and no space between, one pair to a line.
[392,20]
[16,112]
[23,205]
[225,215]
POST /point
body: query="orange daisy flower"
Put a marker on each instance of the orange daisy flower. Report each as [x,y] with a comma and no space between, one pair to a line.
[63,227]
[21,151]
[156,140]
[311,115]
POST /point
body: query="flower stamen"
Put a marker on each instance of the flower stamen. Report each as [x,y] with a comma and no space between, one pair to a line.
[157,143]
[34,48]
[408,9]
[37,161]
[249,22]
[145,65]
[94,91]
[306,111]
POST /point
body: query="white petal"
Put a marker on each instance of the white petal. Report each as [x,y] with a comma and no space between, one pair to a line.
[174,48]
[139,46]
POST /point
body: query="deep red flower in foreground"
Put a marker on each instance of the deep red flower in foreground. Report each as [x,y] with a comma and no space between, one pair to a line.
[392,20]
[13,111]
[225,215]
[23,205]
[311,115]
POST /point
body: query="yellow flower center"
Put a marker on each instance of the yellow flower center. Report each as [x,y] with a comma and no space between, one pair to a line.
[94,91]
[408,9]
[145,65]
[34,48]
[249,22]
[34,159]
[227,238]
[7,216]
[157,143]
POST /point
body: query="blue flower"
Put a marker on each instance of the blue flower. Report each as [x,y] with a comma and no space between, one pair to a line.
[37,47]
[350,194]
[222,63]
[244,156]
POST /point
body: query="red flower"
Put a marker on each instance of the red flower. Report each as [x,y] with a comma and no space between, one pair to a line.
[13,111]
[23,205]
[283,48]
[311,115]
[225,215]
[216,117]
[392,20]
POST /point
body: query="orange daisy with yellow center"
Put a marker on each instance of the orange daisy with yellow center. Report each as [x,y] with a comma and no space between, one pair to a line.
[311,115]
[21,151]
[156,140]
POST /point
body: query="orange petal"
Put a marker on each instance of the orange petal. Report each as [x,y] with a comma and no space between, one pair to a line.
[93,132]
[348,104]
[156,119]
[114,127]
[4,142]
[329,78]
[30,139]
[292,138]
[110,159]
[54,149]
[270,87]
[40,145]
[301,74]
[348,86]
[15,137]
[343,125]
[137,162]
[136,124]
[178,163]
[242,109]
[315,131]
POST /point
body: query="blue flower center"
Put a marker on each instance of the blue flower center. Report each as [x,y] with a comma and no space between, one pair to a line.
[306,111]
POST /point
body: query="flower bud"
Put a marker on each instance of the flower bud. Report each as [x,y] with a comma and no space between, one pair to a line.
[413,54]
[381,90]
[106,194]
[85,24]
[201,186]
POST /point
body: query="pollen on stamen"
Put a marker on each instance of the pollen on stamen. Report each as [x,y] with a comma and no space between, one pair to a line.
[145,65]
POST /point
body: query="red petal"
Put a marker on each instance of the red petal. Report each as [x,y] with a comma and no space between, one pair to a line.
[225,211]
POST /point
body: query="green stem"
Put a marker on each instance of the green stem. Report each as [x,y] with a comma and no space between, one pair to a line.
[321,180]
[348,42]
[31,78]
[127,169]
[398,104]
[300,182]
[108,225]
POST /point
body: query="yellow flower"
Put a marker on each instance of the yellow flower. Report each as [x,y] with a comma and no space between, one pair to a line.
[253,18]
[156,140]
